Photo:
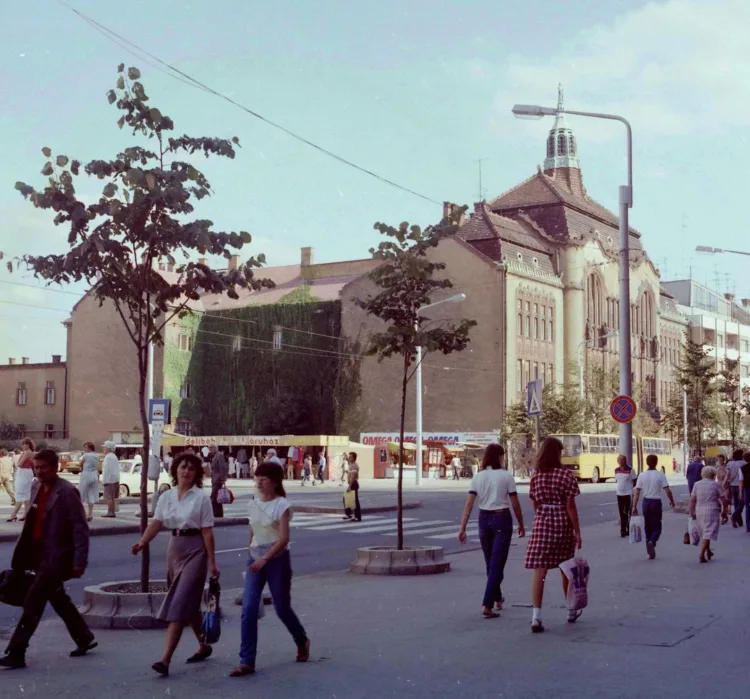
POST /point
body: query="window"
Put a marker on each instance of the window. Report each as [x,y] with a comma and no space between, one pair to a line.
[185,390]
[277,338]
[184,427]
[185,342]
[548,377]
[562,145]
[528,307]
[551,333]
[573,148]
[49,393]
[594,298]
[528,326]
[519,376]
[721,341]
[520,324]
[49,431]
[527,371]
[544,330]
[536,309]
[536,371]
[21,394]
[536,328]
[551,146]
[22,430]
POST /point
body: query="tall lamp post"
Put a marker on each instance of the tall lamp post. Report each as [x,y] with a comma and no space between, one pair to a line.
[530,111]
[457,298]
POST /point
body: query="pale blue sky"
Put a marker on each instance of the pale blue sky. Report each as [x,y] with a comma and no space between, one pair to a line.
[416,90]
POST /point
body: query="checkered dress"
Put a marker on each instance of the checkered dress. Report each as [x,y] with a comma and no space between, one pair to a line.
[552,539]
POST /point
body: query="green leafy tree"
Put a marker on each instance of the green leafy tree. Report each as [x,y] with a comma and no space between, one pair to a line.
[9,434]
[731,397]
[405,277]
[144,214]
[696,376]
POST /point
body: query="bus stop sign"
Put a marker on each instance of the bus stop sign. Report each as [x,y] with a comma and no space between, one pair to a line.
[622,409]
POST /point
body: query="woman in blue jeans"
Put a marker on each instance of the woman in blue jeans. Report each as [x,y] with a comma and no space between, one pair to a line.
[270,563]
[494,491]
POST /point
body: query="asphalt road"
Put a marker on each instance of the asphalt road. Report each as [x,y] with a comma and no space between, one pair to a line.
[319,542]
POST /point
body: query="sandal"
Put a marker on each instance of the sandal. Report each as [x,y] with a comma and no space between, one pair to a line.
[489,613]
[303,652]
[200,656]
[573,616]
[242,671]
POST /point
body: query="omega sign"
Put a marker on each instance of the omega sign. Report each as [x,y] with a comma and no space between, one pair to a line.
[377,438]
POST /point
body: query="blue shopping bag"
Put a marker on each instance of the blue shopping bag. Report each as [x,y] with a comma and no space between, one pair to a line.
[211,618]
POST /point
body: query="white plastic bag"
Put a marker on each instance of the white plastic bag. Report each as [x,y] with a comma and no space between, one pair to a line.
[577,571]
[636,529]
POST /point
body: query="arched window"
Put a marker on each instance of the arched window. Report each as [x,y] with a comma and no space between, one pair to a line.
[528,326]
[647,314]
[572,144]
[562,145]
[520,324]
[551,146]
[594,300]
[536,328]
[551,334]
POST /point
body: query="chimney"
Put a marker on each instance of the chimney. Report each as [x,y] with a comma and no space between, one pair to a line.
[729,296]
[201,260]
[234,262]
[56,358]
[24,360]
[450,209]
[306,259]
[746,303]
[11,360]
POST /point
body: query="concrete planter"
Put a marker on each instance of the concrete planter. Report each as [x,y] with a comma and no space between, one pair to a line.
[114,605]
[387,560]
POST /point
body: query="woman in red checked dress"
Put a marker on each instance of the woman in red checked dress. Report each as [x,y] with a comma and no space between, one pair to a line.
[556,533]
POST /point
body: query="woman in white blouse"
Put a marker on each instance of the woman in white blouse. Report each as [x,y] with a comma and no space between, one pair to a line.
[186,511]
[494,491]
[270,563]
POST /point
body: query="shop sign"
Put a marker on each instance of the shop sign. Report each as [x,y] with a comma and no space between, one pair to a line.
[377,438]
[233,440]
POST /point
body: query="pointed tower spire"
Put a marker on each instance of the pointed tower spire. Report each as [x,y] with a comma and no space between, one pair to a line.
[562,150]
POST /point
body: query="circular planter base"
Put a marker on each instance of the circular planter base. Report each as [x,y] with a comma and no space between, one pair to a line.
[121,605]
[387,560]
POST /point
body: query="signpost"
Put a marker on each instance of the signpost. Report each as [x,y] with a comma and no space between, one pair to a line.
[534,404]
[158,416]
[623,409]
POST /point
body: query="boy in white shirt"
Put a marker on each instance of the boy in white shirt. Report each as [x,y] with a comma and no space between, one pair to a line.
[650,483]
[625,476]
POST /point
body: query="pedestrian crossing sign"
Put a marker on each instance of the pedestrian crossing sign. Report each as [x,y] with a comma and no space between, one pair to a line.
[534,397]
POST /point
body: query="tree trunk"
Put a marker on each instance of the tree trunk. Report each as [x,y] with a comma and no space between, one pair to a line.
[400,488]
[146,553]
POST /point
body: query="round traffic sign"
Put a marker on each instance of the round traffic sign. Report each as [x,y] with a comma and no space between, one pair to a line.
[622,409]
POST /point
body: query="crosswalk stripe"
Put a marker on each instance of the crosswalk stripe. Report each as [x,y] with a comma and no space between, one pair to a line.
[321,524]
[453,535]
[443,528]
[359,529]
[350,525]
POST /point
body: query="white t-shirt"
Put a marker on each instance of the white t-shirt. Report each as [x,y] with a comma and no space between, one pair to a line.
[456,462]
[110,469]
[194,511]
[651,483]
[264,521]
[625,482]
[493,488]
[734,468]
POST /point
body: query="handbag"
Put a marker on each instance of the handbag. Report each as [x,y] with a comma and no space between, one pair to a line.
[211,617]
[695,532]
[224,496]
[636,530]
[14,586]
[577,571]
[350,499]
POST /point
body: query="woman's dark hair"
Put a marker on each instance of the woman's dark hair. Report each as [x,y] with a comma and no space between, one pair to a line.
[493,456]
[737,455]
[29,443]
[274,472]
[194,461]
[90,446]
[549,456]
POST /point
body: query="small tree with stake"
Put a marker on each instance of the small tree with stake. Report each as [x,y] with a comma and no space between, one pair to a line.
[141,216]
[405,276]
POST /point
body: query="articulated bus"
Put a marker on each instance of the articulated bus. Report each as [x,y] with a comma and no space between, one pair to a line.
[593,457]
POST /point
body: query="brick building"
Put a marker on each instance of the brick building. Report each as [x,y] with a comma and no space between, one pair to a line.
[538,265]
[33,397]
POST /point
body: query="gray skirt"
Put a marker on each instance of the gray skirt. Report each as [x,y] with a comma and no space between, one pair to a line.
[187,567]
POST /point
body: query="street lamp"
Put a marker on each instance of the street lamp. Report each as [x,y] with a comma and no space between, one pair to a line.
[609,335]
[456,298]
[708,250]
[529,111]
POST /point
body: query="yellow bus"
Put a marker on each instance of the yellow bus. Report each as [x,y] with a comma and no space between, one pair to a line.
[593,457]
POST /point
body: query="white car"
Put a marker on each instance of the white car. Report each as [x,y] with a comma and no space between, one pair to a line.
[130,479]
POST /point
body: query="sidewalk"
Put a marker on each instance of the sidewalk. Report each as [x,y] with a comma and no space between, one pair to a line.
[669,628]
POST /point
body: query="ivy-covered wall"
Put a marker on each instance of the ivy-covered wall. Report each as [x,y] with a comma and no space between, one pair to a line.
[240,384]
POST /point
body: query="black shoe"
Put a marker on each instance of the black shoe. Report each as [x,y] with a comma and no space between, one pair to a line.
[161,668]
[199,657]
[82,650]
[13,662]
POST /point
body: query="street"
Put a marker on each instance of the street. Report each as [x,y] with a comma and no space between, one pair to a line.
[320,542]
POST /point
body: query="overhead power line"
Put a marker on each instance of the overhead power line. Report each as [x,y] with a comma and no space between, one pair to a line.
[177,74]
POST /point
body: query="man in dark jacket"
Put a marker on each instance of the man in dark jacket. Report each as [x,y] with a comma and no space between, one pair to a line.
[219,475]
[55,544]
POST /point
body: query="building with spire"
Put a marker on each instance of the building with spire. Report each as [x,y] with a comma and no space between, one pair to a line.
[539,266]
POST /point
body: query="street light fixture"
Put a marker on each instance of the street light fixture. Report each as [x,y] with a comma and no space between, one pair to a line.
[456,298]
[708,250]
[529,111]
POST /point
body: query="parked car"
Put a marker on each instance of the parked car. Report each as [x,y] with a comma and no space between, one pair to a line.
[130,479]
[70,461]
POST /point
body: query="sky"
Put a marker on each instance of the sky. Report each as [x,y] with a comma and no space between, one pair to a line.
[417,91]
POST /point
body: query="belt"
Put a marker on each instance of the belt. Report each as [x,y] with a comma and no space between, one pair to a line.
[550,504]
[186,532]
[497,512]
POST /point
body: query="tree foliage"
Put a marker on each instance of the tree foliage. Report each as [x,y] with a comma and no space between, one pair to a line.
[405,276]
[143,215]
[732,403]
